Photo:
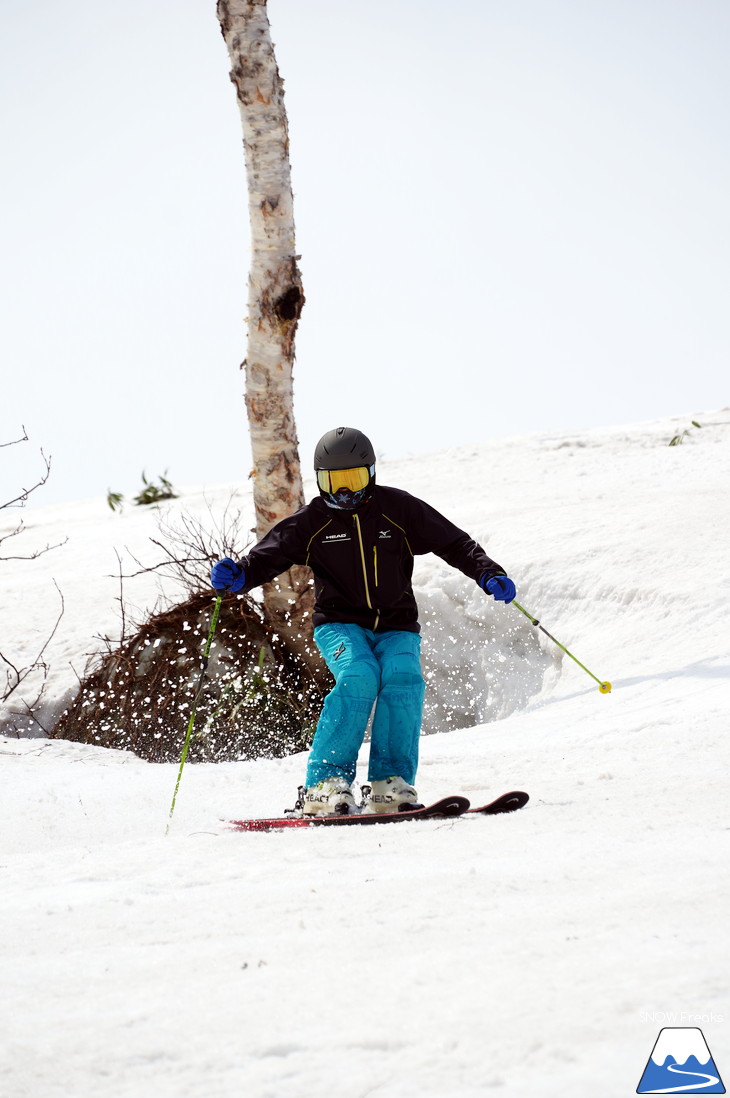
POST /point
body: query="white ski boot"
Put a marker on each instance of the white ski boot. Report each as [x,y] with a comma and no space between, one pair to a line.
[333,796]
[388,795]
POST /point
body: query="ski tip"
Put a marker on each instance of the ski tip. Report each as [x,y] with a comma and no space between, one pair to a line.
[508,802]
[516,799]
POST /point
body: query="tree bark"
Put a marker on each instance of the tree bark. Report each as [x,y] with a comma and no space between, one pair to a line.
[275,300]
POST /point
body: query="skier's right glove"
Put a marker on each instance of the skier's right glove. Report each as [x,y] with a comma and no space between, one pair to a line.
[226,575]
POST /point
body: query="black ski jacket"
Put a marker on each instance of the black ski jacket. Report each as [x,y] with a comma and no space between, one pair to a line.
[363,560]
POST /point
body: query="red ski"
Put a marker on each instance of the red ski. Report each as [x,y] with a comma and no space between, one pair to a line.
[446,807]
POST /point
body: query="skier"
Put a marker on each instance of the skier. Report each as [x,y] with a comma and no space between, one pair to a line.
[360,538]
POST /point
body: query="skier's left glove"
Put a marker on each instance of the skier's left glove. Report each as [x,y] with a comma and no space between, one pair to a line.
[501,587]
[226,575]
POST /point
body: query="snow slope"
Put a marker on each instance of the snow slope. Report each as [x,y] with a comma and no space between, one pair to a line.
[514,955]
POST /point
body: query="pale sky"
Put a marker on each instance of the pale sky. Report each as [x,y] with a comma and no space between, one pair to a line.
[512,217]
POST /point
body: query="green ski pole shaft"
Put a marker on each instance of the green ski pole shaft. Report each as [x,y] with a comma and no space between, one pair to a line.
[604,687]
[198,691]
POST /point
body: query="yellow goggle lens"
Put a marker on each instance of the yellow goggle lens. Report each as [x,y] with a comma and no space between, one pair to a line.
[331,480]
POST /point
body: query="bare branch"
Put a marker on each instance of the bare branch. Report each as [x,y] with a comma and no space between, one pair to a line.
[14,675]
[12,534]
[120,599]
[29,556]
[15,441]
[31,714]
[22,498]
[189,547]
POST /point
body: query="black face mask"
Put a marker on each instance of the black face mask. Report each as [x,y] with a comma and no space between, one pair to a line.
[345,500]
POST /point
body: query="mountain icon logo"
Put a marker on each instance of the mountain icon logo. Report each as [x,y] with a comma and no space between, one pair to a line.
[680,1063]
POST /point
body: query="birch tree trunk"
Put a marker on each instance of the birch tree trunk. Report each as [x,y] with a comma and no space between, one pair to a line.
[275,299]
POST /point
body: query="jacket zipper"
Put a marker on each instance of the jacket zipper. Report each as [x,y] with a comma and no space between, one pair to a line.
[375,563]
[365,572]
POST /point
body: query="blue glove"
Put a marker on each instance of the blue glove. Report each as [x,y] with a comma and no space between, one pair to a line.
[501,587]
[226,575]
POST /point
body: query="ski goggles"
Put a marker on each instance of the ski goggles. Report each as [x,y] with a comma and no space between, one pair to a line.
[354,480]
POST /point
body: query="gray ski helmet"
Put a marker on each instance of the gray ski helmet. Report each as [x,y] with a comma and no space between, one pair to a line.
[343,448]
[344,461]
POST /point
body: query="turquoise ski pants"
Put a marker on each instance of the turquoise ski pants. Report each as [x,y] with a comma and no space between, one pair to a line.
[381,669]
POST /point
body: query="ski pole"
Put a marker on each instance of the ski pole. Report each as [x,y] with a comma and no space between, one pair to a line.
[604,687]
[198,691]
